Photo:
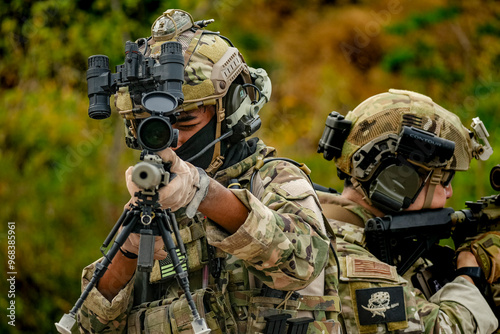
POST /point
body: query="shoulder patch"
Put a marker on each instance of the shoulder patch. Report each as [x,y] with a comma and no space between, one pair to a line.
[380,305]
[369,268]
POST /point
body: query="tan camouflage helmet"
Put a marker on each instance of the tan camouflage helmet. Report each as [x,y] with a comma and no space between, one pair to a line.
[211,65]
[396,142]
[385,114]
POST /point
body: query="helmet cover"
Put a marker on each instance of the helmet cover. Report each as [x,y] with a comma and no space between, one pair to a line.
[384,115]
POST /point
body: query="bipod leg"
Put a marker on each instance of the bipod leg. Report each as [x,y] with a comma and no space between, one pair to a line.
[114,230]
[129,219]
[166,228]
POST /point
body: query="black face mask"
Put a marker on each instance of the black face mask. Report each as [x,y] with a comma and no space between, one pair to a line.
[198,142]
[232,153]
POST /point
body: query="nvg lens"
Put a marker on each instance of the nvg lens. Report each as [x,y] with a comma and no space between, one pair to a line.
[155,133]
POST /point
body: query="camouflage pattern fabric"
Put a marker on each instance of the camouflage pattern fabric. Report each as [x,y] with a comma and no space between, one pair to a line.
[386,113]
[375,299]
[486,248]
[282,244]
[197,73]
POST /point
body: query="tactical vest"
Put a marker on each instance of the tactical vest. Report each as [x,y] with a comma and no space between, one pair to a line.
[374,297]
[225,292]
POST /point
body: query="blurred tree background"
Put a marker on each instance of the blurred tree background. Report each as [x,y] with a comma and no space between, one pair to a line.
[61,178]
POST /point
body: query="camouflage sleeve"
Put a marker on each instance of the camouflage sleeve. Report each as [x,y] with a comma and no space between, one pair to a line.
[283,240]
[97,314]
[462,302]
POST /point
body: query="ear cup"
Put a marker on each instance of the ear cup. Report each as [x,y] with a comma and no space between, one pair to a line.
[394,187]
[233,99]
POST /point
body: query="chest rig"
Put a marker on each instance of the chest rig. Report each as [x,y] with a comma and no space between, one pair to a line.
[230,298]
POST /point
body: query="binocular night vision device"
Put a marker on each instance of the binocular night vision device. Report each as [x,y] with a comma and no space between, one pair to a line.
[154,87]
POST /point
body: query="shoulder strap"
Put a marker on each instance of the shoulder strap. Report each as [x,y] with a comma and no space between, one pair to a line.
[337,212]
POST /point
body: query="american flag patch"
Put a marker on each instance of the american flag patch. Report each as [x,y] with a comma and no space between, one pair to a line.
[167,267]
[369,268]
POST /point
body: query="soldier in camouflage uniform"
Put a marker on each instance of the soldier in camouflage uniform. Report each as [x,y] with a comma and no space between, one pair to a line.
[258,250]
[398,151]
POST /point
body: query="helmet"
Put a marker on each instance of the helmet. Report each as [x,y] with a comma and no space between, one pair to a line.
[215,73]
[393,143]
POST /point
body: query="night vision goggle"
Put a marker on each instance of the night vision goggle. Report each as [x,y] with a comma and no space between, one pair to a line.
[155,87]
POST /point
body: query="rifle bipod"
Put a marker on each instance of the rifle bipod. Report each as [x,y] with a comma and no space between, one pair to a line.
[155,221]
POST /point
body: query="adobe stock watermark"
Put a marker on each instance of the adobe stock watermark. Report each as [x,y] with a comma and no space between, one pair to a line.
[225,5]
[11,273]
[30,27]
[371,29]
[75,155]
[482,91]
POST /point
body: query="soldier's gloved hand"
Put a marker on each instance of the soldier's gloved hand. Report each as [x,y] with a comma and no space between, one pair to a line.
[486,248]
[188,182]
[181,190]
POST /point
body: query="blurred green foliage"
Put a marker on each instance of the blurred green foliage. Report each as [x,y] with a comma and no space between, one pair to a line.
[61,179]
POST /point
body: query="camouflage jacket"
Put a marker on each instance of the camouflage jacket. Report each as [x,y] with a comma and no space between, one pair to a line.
[283,244]
[375,299]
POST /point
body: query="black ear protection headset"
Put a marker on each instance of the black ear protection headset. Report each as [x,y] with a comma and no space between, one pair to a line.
[388,179]
[382,168]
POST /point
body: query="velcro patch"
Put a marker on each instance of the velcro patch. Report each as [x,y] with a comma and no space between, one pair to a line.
[167,267]
[370,268]
[381,305]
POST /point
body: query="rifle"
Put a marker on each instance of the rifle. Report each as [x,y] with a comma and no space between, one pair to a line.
[147,218]
[402,238]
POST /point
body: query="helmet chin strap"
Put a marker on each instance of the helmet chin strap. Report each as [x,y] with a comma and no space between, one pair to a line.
[217,158]
[360,189]
[436,177]
[437,174]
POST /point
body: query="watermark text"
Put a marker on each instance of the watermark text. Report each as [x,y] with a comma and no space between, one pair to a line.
[11,273]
